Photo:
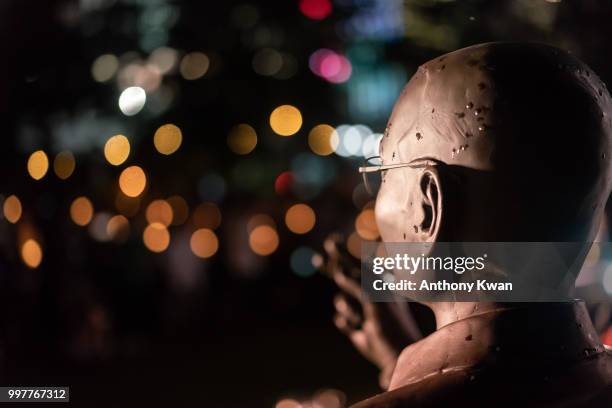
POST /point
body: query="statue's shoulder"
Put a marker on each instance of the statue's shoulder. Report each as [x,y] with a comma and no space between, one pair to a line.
[584,385]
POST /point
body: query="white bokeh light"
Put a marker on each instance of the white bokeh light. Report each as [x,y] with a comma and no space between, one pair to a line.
[352,140]
[338,140]
[132,100]
[371,145]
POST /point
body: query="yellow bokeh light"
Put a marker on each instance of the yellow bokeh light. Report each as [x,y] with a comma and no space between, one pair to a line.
[12,209]
[64,164]
[365,225]
[167,139]
[81,211]
[159,211]
[323,140]
[204,243]
[118,228]
[194,65]
[207,215]
[38,164]
[242,139]
[263,240]
[156,237]
[286,120]
[31,253]
[180,209]
[117,149]
[132,181]
[300,218]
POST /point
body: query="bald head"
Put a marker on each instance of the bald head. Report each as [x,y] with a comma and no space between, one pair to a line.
[524,130]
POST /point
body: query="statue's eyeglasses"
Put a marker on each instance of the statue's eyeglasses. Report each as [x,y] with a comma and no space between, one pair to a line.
[373,172]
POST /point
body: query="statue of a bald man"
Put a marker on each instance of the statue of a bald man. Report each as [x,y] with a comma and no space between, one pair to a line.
[518,141]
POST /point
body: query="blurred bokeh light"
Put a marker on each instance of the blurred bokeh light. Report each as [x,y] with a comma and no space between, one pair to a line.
[164,58]
[286,120]
[180,209]
[118,228]
[323,139]
[132,181]
[283,183]
[81,211]
[168,139]
[300,218]
[159,211]
[331,66]
[98,227]
[204,243]
[64,164]
[132,100]
[267,62]
[12,209]
[156,237]
[316,9]
[207,215]
[365,225]
[117,149]
[242,139]
[301,262]
[263,240]
[31,253]
[38,164]
[194,65]
[104,67]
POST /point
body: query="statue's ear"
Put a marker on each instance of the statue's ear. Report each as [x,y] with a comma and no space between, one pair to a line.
[431,201]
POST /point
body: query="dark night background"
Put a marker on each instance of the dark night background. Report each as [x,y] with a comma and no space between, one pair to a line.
[124,326]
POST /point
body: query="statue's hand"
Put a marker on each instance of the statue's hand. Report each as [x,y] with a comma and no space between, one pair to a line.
[379,331]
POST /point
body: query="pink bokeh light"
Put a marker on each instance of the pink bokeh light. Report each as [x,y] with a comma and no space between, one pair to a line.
[331,66]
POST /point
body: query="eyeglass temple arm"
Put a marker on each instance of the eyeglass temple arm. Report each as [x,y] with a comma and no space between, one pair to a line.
[415,164]
[369,169]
